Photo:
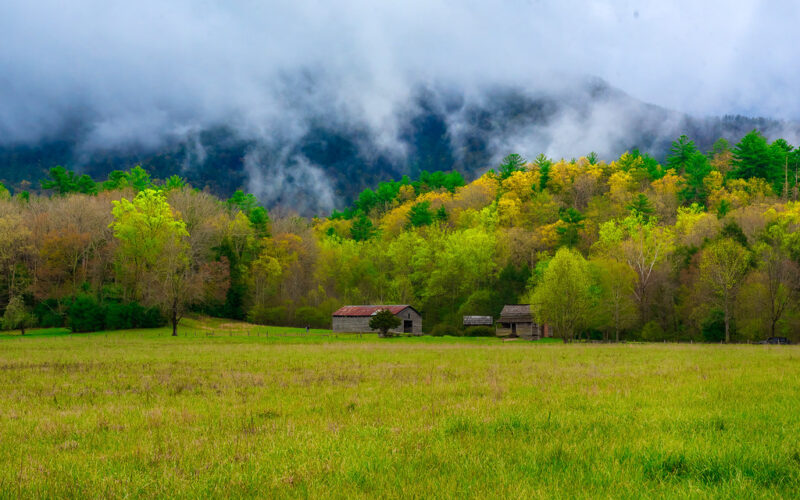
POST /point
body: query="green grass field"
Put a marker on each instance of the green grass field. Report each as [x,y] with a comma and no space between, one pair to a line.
[142,414]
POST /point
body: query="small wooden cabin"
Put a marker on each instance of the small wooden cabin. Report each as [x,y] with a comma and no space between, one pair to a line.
[478,321]
[355,319]
[516,320]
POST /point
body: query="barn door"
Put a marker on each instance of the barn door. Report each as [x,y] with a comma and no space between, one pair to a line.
[513,328]
[408,326]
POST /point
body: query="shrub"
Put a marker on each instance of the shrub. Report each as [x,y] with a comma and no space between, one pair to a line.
[263,315]
[84,314]
[311,316]
[443,329]
[652,331]
[713,327]
[593,334]
[48,313]
[479,331]
[118,316]
[148,317]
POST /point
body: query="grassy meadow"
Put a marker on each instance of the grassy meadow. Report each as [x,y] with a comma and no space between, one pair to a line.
[273,412]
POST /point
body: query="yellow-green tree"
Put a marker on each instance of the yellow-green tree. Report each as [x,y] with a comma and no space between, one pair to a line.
[642,245]
[152,257]
[615,308]
[562,299]
[17,316]
[723,267]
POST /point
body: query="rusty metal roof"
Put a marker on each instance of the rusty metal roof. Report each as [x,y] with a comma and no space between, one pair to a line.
[368,310]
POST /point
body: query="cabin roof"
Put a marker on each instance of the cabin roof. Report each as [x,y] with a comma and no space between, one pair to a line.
[516,312]
[478,320]
[361,311]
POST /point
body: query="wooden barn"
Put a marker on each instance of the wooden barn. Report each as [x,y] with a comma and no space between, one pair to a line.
[516,320]
[355,319]
[478,321]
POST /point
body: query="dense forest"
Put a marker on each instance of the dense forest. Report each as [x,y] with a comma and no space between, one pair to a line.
[702,247]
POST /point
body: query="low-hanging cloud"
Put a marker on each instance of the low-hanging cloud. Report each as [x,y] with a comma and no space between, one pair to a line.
[141,73]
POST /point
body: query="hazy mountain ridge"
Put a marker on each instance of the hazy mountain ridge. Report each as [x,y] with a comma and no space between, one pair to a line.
[338,154]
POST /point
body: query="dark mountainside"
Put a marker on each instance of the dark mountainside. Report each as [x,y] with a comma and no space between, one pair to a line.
[441,129]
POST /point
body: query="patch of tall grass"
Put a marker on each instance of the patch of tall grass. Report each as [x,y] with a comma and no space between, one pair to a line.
[141,414]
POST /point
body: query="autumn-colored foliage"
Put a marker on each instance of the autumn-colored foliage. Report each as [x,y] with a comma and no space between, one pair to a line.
[654,242]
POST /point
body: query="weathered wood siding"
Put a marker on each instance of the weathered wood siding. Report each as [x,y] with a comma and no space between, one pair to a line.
[360,324]
[525,330]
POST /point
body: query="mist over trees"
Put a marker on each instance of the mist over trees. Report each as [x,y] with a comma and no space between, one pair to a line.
[330,158]
[703,246]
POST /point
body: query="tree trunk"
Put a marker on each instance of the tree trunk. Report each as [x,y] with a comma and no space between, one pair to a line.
[22,330]
[727,325]
[175,317]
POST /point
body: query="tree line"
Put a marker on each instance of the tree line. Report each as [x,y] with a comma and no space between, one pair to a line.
[701,247]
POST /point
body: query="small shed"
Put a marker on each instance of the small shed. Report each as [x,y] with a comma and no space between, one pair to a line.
[355,319]
[478,321]
[516,320]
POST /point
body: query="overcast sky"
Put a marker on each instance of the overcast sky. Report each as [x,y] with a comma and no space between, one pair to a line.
[145,67]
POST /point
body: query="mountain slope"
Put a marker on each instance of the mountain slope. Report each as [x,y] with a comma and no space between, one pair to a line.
[336,155]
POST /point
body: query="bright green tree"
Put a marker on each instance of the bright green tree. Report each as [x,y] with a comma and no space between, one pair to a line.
[543,163]
[680,154]
[569,232]
[562,299]
[420,214]
[696,168]
[362,228]
[174,182]
[248,205]
[64,181]
[152,256]
[139,179]
[510,164]
[17,316]
[753,157]
[641,205]
[384,321]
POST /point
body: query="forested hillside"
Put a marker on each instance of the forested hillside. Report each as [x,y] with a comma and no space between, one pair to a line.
[703,247]
[334,155]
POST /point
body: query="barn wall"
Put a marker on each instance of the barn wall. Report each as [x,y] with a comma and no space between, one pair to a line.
[360,324]
[351,324]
